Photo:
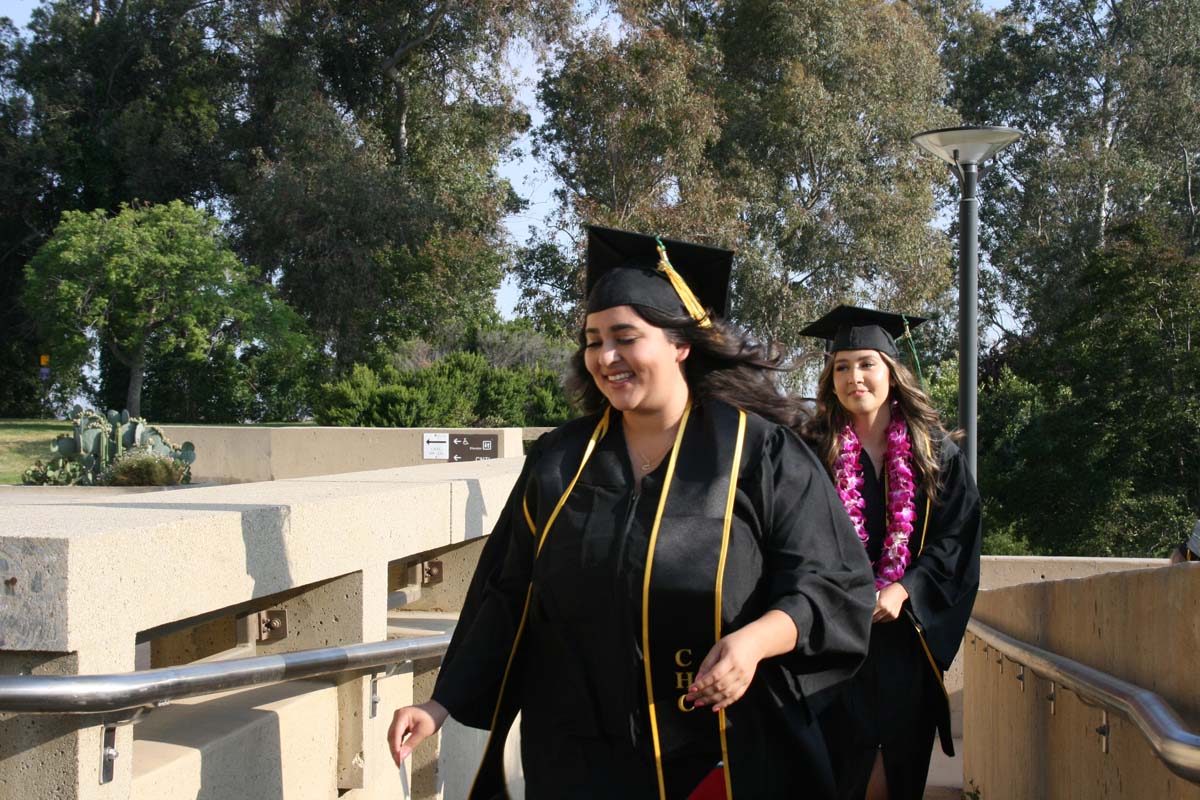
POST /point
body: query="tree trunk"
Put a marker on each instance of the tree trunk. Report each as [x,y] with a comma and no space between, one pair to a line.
[137,375]
[401,143]
[95,13]
[393,69]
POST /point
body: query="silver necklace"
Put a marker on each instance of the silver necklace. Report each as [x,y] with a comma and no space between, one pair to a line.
[645,464]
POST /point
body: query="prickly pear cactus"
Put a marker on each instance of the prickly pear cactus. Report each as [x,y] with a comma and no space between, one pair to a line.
[85,456]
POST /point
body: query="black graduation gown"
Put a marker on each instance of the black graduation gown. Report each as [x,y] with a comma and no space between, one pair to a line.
[575,608]
[897,700]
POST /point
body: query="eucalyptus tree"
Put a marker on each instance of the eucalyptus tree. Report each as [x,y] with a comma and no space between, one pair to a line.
[21,219]
[791,147]
[1109,96]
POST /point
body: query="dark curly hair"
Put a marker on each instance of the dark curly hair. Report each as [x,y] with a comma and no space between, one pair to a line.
[725,364]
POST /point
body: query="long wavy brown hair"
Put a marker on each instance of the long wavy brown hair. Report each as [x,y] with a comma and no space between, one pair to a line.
[724,364]
[824,429]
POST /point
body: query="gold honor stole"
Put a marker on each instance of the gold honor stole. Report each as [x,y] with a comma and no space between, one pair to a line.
[681,589]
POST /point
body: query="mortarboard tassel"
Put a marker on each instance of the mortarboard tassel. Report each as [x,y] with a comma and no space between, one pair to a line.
[913,347]
[681,288]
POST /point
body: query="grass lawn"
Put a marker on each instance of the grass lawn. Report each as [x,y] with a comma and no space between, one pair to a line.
[22,441]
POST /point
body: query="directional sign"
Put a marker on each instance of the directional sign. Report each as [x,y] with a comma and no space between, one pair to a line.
[474,446]
[45,359]
[435,446]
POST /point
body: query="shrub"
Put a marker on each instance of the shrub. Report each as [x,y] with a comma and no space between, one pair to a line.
[143,467]
[460,390]
[346,402]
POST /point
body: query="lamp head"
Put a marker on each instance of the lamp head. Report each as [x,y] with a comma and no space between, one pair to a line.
[972,144]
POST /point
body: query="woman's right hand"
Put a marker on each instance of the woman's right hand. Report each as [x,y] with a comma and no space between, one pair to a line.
[411,725]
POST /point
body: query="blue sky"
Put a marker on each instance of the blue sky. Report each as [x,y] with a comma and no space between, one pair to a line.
[530,179]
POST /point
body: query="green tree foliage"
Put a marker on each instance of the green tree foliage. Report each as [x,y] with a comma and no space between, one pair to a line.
[131,103]
[22,218]
[1088,428]
[1109,97]
[96,109]
[1090,432]
[791,147]
[352,147]
[371,188]
[151,281]
[460,390]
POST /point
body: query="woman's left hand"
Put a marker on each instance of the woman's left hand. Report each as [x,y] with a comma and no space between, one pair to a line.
[889,603]
[727,670]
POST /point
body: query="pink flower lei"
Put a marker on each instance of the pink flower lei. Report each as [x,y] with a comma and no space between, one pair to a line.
[901,492]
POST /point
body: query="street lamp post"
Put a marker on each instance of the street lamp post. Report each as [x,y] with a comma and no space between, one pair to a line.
[964,150]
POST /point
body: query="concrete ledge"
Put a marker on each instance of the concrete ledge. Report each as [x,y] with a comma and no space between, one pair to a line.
[267,743]
[90,574]
[247,453]
[1000,571]
[94,572]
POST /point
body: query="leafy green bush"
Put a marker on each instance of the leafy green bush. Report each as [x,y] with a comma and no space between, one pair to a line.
[348,401]
[460,390]
[143,467]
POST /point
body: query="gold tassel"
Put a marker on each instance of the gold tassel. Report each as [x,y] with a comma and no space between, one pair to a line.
[681,288]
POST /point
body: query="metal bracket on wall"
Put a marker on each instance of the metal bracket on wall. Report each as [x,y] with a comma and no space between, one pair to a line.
[272,625]
[108,753]
[1021,676]
[1052,697]
[1104,731]
[108,738]
[394,669]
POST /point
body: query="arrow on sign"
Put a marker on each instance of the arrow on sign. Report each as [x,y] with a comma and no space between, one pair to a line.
[457,457]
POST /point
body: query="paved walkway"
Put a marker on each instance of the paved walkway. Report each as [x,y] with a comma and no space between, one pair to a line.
[945,774]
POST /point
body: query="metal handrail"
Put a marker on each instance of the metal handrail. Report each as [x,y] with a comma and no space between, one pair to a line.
[1174,744]
[90,694]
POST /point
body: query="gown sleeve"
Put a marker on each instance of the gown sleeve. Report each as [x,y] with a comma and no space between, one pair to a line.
[818,572]
[473,668]
[942,581]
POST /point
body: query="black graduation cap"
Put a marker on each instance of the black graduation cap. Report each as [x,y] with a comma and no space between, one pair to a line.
[622,269]
[853,328]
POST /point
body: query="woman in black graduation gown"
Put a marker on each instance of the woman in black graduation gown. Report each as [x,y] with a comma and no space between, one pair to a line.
[673,587]
[915,507]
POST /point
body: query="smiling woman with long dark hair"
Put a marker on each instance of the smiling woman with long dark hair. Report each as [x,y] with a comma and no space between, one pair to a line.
[674,587]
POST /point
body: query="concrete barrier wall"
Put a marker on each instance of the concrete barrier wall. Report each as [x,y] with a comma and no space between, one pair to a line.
[84,576]
[248,454]
[1137,625]
[999,571]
